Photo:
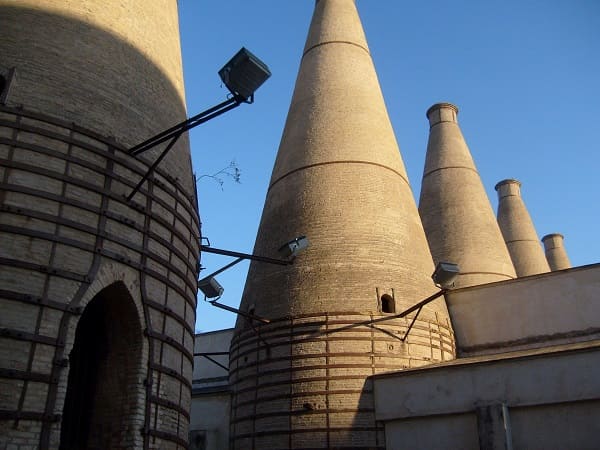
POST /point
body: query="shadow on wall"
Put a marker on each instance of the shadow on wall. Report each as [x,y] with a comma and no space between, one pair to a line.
[76,72]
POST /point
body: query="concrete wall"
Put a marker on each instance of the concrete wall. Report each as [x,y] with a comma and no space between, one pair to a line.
[210,419]
[211,398]
[207,373]
[534,311]
[545,398]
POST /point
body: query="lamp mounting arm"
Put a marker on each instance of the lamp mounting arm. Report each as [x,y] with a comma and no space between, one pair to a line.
[175,132]
[265,259]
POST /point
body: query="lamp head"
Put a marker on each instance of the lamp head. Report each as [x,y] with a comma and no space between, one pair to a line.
[292,248]
[445,274]
[210,287]
[244,74]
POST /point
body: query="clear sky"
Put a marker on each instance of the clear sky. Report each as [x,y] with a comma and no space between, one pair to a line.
[525,75]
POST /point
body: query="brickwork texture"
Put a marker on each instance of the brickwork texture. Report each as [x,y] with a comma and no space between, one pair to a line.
[97,293]
[301,381]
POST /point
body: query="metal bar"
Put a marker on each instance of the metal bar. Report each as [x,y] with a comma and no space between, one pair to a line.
[29,415]
[211,353]
[237,311]
[185,126]
[395,316]
[411,324]
[19,335]
[220,251]
[216,362]
[169,312]
[99,250]
[261,339]
[146,306]
[154,164]
[34,300]
[166,436]
[171,405]
[171,372]
[25,375]
[222,269]
[124,161]
[155,140]
[172,342]
[90,186]
[175,135]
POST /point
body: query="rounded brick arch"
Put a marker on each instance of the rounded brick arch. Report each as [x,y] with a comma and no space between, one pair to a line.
[105,389]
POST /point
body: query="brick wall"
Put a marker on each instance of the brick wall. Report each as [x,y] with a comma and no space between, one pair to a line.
[66,233]
[303,382]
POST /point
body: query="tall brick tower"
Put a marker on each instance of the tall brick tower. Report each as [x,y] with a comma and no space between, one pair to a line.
[518,230]
[556,253]
[301,381]
[97,293]
[457,215]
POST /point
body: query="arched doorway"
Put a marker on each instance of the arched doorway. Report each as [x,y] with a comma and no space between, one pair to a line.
[104,383]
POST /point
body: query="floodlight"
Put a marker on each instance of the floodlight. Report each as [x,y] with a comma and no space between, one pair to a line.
[445,274]
[244,74]
[210,287]
[295,246]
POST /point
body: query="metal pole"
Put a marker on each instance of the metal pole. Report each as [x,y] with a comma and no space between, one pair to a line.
[175,133]
[219,251]
[164,135]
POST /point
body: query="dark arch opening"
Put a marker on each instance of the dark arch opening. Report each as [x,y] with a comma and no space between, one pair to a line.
[387,304]
[103,383]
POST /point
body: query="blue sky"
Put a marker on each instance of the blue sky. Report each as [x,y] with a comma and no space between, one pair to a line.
[524,74]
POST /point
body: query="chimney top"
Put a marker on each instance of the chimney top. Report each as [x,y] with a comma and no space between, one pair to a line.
[552,236]
[442,112]
[507,181]
[508,187]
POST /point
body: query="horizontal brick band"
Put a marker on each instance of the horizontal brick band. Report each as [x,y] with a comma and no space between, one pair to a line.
[28,415]
[14,374]
[328,163]
[36,300]
[168,371]
[30,337]
[330,412]
[239,436]
[172,342]
[288,395]
[125,161]
[170,405]
[166,436]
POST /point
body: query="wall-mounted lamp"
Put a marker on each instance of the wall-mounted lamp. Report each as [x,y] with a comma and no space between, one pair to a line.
[243,75]
[210,287]
[293,247]
[445,274]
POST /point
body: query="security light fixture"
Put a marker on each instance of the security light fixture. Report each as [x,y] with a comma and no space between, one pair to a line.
[244,74]
[445,274]
[295,246]
[210,287]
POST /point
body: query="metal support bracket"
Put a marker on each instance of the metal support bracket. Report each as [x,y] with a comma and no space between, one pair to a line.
[175,132]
